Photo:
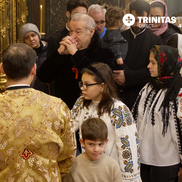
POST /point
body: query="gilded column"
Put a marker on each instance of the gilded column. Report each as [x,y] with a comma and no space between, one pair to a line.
[13,14]
[4,39]
[22,12]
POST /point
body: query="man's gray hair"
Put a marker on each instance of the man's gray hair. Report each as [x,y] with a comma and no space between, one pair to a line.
[90,23]
[96,8]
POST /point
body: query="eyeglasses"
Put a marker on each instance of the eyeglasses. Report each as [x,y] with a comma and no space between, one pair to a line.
[100,22]
[85,86]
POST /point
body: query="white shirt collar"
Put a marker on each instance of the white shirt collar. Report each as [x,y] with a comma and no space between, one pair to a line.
[134,35]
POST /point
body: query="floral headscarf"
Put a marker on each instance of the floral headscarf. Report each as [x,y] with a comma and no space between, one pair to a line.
[169,77]
[164,26]
[169,65]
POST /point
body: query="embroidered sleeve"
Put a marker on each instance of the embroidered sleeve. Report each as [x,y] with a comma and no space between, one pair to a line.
[75,112]
[179,114]
[127,142]
[178,124]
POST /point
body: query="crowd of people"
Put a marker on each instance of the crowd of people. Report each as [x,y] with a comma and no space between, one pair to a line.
[98,101]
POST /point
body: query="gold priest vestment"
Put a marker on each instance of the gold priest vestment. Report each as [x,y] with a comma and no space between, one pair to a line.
[37,141]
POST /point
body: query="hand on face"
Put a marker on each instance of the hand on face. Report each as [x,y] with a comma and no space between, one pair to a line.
[68,45]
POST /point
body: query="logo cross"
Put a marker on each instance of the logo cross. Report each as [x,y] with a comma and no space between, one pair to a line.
[129,19]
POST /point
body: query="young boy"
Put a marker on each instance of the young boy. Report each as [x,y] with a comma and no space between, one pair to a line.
[93,164]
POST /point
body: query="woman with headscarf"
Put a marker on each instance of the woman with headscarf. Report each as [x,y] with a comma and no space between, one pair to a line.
[155,112]
[163,29]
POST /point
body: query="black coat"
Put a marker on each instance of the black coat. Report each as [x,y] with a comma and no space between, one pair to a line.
[170,31]
[65,69]
[41,57]
[137,59]
[114,41]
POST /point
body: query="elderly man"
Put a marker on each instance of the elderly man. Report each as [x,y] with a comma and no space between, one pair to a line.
[76,51]
[97,12]
[140,41]
[73,6]
[37,136]
[31,36]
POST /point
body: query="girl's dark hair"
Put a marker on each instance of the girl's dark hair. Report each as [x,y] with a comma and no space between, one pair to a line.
[159,5]
[113,15]
[109,87]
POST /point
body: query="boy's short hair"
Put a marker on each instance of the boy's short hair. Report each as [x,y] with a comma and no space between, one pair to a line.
[94,129]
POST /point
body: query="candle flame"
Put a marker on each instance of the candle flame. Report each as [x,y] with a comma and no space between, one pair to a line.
[41,6]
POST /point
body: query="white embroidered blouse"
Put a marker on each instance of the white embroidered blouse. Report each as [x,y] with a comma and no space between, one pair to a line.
[157,149]
[123,143]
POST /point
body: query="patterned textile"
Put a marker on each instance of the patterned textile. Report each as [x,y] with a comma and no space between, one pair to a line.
[37,141]
[180,106]
[123,143]
[157,149]
[169,65]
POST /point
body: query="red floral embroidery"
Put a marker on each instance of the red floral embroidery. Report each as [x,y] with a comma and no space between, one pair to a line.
[26,154]
[162,58]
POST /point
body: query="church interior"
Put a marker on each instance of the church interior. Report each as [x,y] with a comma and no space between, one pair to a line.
[49,16]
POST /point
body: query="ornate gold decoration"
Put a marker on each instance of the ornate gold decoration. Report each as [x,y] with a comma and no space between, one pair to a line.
[13,14]
[3,32]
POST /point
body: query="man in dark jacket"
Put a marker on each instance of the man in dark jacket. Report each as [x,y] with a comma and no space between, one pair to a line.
[73,6]
[31,36]
[140,41]
[76,51]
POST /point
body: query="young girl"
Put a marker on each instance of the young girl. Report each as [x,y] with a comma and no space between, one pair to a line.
[155,112]
[113,39]
[162,29]
[99,100]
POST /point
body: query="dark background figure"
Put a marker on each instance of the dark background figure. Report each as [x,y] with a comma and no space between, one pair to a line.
[113,39]
[140,41]
[97,12]
[31,36]
[175,41]
[76,6]
[163,30]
